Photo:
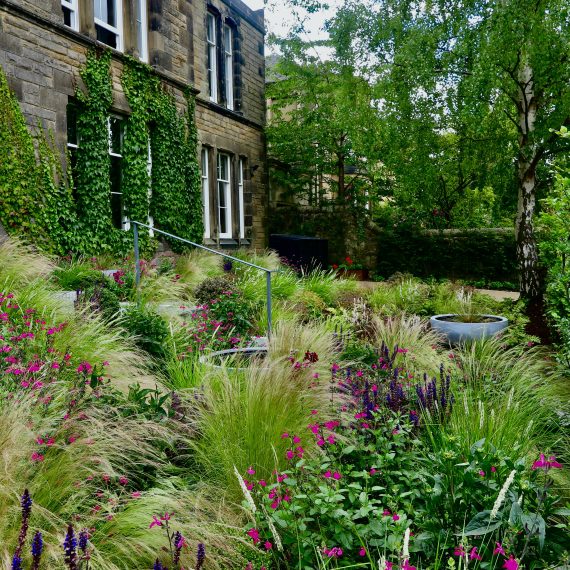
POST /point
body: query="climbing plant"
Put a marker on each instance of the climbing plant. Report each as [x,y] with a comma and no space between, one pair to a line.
[34,198]
[176,204]
[138,87]
[92,174]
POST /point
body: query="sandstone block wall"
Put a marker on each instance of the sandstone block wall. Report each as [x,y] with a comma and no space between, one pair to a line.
[41,58]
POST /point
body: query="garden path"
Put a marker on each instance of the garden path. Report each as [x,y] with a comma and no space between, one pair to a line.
[495,294]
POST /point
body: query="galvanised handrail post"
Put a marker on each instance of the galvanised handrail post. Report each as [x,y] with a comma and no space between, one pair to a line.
[137,258]
[268,272]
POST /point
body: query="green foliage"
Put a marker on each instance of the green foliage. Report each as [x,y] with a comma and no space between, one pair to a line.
[137,85]
[321,124]
[92,174]
[488,254]
[34,197]
[175,175]
[148,329]
[37,197]
[554,244]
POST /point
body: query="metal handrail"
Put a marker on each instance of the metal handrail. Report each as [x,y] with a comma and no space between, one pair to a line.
[268,272]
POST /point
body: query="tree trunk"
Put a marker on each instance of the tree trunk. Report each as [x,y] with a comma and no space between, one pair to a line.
[526,248]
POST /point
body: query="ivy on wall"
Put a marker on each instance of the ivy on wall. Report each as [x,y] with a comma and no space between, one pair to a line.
[92,173]
[36,199]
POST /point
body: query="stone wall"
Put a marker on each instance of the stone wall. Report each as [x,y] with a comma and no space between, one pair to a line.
[41,58]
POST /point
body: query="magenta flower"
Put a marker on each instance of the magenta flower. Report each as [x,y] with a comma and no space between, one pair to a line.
[459,551]
[290,454]
[337,476]
[473,554]
[253,533]
[511,564]
[482,473]
[268,545]
[251,471]
[395,517]
[362,552]
[499,549]
[407,565]
[327,474]
[155,521]
[543,463]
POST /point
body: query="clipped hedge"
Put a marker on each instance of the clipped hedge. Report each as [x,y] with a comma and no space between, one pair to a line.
[487,254]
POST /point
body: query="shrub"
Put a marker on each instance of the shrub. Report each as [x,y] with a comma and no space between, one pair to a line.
[148,329]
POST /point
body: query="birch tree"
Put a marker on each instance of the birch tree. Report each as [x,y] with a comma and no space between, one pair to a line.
[494,72]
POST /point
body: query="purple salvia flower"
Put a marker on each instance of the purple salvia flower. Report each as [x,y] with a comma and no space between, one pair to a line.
[157,565]
[83,540]
[37,549]
[69,548]
[26,503]
[16,562]
[200,556]
[178,540]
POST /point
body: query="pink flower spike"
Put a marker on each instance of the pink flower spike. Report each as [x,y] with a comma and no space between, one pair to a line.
[251,471]
[166,516]
[499,549]
[155,521]
[511,564]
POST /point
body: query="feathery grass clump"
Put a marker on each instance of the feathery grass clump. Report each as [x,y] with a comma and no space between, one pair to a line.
[196,266]
[413,335]
[21,264]
[243,415]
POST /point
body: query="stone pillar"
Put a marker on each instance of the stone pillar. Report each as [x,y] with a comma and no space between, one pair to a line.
[87,18]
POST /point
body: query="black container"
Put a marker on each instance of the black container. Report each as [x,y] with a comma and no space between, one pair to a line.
[301,251]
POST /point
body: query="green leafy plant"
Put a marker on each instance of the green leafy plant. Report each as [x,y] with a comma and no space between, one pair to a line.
[148,329]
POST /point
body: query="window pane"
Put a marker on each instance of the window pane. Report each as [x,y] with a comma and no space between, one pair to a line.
[228,39]
[106,37]
[72,124]
[66,16]
[211,29]
[116,192]
[116,126]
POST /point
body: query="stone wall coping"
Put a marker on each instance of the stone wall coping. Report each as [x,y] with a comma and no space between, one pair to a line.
[253,17]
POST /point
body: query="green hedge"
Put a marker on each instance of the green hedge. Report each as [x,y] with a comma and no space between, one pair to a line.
[487,254]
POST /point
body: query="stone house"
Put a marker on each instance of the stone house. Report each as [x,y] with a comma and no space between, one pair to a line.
[213,47]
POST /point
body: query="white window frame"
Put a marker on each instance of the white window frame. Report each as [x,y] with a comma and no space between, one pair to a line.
[205,167]
[118,29]
[211,39]
[73,7]
[124,220]
[142,29]
[240,199]
[229,65]
[227,189]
